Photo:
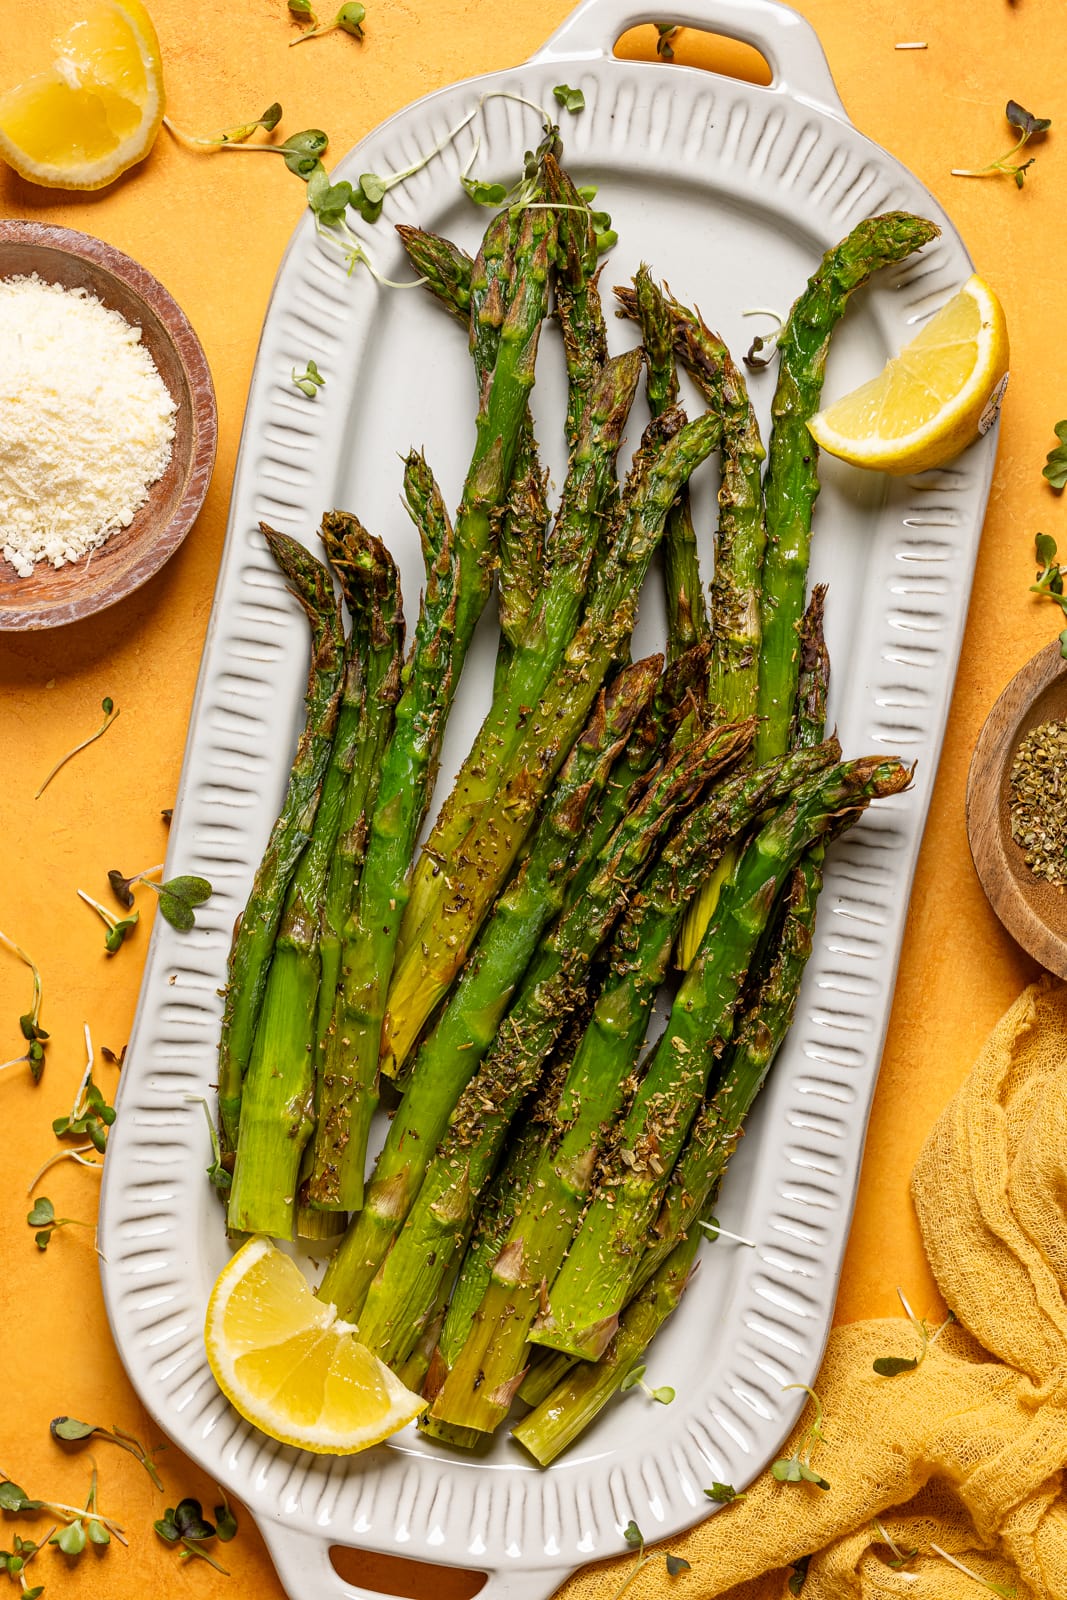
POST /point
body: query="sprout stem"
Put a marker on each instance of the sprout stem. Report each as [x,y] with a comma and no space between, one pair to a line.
[110,713]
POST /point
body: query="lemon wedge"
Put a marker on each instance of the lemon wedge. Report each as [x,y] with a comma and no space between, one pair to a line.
[96,111]
[933,399]
[291,1366]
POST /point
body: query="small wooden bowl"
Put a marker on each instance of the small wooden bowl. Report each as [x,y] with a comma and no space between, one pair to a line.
[1033,910]
[55,595]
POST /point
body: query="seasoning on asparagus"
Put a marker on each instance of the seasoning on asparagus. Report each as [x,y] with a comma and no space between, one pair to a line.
[479,1389]
[791,483]
[600,394]
[399,1296]
[457,588]
[687,612]
[562,1410]
[450,1055]
[256,927]
[585,1299]
[277,1106]
[431,964]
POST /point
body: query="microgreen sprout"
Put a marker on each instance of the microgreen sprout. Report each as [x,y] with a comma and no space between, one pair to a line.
[78,1153]
[68,1430]
[1055,468]
[118,928]
[225,1521]
[218,1173]
[30,1021]
[636,1540]
[799,1570]
[15,1561]
[349,19]
[177,896]
[635,1379]
[186,1525]
[893,1366]
[310,381]
[1049,580]
[110,713]
[300,152]
[238,135]
[900,1557]
[570,99]
[605,233]
[87,1526]
[761,350]
[1028,127]
[667,32]
[43,1217]
[523,191]
[122,888]
[110,1055]
[724,1494]
[797,1468]
[987,1583]
[711,1228]
[90,1115]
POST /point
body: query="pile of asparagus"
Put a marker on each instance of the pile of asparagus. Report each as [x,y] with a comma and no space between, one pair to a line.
[533,1215]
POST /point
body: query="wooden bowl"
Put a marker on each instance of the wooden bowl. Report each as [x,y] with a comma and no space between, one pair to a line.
[1033,910]
[54,595]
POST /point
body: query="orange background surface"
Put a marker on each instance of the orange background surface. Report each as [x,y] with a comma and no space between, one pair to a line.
[212,228]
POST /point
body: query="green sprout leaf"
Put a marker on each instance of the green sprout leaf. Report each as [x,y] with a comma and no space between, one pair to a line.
[633,1535]
[310,381]
[12,1498]
[1025,120]
[893,1366]
[1055,469]
[302,10]
[301,152]
[190,1520]
[225,1521]
[799,1573]
[676,1565]
[178,896]
[167,1527]
[724,1494]
[71,1539]
[667,32]
[570,99]
[70,1429]
[43,1214]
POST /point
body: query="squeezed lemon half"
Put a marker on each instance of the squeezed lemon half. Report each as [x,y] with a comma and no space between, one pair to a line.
[933,399]
[96,111]
[289,1364]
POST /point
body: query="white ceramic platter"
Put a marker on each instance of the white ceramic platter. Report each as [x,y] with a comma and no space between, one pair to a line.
[732,192]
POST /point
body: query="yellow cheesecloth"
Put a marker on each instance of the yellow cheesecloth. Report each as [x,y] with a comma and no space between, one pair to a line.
[966,1452]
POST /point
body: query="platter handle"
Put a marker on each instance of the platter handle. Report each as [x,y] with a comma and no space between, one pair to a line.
[304,1567]
[785,39]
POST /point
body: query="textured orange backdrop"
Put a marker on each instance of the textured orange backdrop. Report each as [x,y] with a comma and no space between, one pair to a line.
[212,229]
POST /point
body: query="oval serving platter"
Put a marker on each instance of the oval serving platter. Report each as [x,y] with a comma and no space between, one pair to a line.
[732,191]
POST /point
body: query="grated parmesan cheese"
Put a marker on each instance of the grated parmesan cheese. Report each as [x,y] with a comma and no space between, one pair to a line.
[86,423]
